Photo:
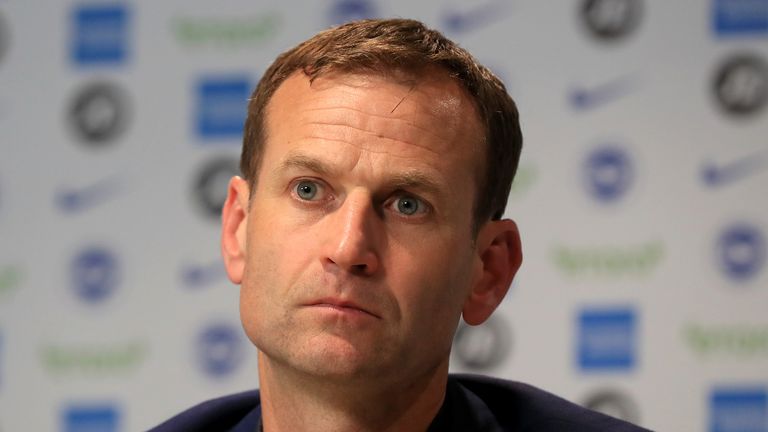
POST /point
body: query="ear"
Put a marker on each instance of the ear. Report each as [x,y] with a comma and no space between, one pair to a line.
[498,245]
[234,218]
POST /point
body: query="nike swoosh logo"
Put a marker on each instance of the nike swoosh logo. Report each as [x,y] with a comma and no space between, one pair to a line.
[718,175]
[475,18]
[202,275]
[72,200]
[583,99]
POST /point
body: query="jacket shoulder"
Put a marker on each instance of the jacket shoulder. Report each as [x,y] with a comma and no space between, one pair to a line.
[520,406]
[218,414]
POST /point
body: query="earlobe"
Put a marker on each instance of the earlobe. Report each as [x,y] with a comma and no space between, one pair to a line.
[234,217]
[500,251]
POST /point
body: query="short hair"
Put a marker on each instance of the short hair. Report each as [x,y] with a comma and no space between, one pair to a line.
[381,45]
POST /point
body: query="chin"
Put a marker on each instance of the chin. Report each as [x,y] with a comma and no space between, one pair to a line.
[341,360]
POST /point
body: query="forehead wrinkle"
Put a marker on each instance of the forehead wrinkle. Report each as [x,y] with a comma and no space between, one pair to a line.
[361,147]
[386,116]
[441,112]
[373,134]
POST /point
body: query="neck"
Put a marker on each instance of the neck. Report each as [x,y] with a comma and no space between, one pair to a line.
[293,401]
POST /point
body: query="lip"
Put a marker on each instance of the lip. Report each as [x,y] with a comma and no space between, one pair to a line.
[341,305]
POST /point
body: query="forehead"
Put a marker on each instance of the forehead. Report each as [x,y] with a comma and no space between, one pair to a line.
[431,101]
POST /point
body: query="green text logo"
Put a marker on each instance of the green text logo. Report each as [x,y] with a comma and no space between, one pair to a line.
[634,260]
[525,177]
[10,277]
[93,360]
[226,32]
[736,340]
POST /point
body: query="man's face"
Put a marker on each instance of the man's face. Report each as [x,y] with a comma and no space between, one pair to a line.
[358,248]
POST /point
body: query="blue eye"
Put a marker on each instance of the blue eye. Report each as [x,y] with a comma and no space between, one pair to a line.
[306,190]
[408,205]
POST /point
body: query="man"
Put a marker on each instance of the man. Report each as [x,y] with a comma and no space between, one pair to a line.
[377,160]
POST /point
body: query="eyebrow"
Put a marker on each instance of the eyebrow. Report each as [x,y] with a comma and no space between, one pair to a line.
[409,179]
[414,180]
[303,162]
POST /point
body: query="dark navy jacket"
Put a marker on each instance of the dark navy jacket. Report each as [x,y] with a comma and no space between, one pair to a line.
[472,403]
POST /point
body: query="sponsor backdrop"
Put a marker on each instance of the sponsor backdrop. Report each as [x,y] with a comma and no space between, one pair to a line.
[641,198]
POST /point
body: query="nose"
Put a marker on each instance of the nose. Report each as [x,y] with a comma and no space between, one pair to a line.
[353,235]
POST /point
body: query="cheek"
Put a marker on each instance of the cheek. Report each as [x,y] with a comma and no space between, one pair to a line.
[270,245]
[434,286]
[249,314]
[277,256]
[259,278]
[267,293]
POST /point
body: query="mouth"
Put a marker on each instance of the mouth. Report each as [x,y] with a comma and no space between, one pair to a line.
[342,306]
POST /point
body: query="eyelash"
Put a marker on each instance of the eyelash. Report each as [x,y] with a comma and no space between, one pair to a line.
[423,208]
[321,189]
